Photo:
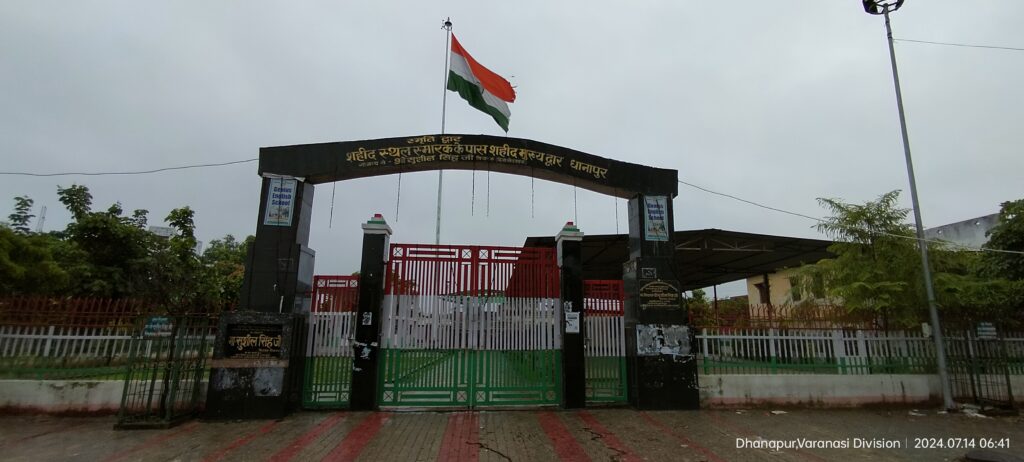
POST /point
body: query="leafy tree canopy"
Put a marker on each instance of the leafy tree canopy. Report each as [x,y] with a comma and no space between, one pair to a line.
[109,254]
[877,268]
[1008,234]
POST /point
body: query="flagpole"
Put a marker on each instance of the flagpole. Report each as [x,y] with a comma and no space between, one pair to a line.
[447,26]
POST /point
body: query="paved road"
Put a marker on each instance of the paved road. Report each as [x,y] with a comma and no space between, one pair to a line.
[533,436]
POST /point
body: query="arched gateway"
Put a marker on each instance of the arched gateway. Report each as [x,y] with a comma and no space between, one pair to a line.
[258,366]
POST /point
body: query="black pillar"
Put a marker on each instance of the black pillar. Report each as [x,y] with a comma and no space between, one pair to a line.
[257,366]
[661,370]
[279,266]
[376,237]
[570,264]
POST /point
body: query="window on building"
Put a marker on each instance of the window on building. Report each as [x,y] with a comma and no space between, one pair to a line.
[762,292]
[818,286]
[794,287]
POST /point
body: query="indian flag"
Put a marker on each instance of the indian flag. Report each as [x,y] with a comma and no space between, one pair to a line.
[483,89]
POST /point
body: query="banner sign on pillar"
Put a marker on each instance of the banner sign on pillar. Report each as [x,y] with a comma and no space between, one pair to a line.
[280,202]
[656,218]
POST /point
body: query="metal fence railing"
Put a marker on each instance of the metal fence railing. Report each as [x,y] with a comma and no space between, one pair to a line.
[55,338]
[45,338]
[725,350]
[167,367]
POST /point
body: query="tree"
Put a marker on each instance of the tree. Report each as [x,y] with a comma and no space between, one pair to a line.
[77,199]
[21,216]
[1007,234]
[174,277]
[107,254]
[877,269]
[224,262]
[27,265]
[106,250]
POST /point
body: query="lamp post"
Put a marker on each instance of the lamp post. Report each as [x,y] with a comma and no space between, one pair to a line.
[884,7]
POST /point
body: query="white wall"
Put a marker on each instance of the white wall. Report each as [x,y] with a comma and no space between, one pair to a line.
[819,390]
[64,397]
[717,390]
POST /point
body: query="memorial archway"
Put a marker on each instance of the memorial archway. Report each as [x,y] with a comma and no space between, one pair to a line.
[279,268]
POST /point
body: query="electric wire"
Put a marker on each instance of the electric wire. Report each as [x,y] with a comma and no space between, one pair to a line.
[138,172]
[822,220]
[965,45]
[575,211]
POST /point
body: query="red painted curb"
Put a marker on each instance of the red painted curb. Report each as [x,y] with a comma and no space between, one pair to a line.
[239,443]
[461,440]
[679,436]
[293,448]
[353,444]
[565,445]
[608,438]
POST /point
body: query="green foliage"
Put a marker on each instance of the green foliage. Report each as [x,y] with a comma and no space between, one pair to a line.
[113,249]
[108,254]
[877,265]
[21,216]
[877,269]
[27,265]
[224,260]
[1008,234]
[77,199]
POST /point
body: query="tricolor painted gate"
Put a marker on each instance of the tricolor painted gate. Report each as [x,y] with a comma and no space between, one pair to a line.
[466,326]
[605,350]
[328,369]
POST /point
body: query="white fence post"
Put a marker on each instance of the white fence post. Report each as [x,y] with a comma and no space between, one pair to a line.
[49,339]
[839,350]
[704,341]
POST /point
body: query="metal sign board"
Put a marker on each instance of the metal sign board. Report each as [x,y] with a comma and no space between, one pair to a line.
[280,202]
[656,218]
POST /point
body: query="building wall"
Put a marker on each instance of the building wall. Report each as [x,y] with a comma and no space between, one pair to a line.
[970,233]
[779,287]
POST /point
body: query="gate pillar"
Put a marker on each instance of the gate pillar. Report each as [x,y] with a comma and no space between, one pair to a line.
[279,266]
[376,237]
[660,368]
[264,381]
[570,265]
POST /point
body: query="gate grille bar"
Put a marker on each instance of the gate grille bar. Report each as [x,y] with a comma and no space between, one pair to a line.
[470,326]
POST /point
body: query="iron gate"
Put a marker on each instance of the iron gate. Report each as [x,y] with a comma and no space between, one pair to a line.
[328,368]
[466,326]
[979,366]
[167,370]
[605,350]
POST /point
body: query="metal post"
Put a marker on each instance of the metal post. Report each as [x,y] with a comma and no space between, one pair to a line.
[940,352]
[447,26]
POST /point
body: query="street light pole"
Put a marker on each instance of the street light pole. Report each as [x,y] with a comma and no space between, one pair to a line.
[885,7]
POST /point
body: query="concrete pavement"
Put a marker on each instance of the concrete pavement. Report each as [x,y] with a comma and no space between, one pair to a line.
[533,435]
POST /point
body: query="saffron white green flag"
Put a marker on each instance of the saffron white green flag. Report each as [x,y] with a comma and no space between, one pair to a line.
[483,89]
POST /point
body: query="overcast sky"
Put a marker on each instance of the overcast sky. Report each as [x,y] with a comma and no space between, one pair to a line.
[778,102]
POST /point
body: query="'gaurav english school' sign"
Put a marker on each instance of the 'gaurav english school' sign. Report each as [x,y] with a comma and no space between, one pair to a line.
[325,162]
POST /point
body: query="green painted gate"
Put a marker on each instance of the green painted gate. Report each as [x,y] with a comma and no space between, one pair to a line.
[470,326]
[605,351]
[328,368]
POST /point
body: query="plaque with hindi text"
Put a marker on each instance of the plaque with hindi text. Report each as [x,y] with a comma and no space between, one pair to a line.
[253,341]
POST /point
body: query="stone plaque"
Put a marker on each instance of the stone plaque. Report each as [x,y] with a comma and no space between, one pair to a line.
[658,295]
[253,341]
